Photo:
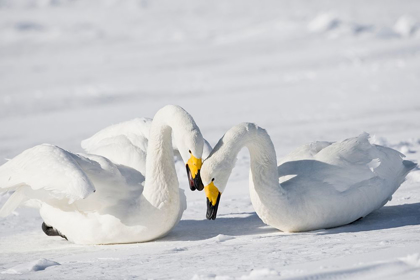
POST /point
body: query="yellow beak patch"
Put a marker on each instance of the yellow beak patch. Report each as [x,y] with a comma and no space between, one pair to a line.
[212,193]
[194,164]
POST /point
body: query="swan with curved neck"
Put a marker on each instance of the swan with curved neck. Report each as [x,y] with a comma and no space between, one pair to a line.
[323,185]
[90,200]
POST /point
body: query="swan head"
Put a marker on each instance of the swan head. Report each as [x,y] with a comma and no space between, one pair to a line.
[186,137]
[215,173]
[190,147]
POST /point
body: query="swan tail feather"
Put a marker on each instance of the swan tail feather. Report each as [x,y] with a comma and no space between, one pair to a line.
[409,165]
[17,198]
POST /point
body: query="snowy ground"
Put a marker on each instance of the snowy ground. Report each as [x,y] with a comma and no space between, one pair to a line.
[304,70]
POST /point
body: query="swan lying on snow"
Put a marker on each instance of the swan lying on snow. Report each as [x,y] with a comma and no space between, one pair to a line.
[323,184]
[88,199]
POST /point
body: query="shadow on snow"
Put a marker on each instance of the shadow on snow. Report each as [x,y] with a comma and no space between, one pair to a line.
[385,218]
[193,230]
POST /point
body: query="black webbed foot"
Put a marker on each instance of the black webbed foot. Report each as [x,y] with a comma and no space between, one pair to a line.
[50,231]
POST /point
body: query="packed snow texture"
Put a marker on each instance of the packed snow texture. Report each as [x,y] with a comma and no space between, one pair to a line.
[38,265]
[304,70]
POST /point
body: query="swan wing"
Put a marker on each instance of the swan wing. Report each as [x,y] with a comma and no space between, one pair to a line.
[359,160]
[121,150]
[307,151]
[43,172]
[126,143]
[136,131]
[344,165]
[117,186]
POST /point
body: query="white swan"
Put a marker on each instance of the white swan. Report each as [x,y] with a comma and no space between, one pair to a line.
[126,207]
[323,185]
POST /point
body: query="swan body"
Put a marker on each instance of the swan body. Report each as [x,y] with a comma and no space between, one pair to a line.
[90,199]
[322,185]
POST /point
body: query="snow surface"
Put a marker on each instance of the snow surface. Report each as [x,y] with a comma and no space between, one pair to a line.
[38,265]
[304,70]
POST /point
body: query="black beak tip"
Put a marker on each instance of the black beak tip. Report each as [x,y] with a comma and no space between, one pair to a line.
[190,179]
[196,183]
[210,217]
[209,213]
[212,210]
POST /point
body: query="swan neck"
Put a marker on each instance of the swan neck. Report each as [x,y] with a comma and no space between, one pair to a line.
[161,180]
[263,161]
[161,185]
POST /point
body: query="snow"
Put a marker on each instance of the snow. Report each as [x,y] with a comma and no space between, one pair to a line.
[223,238]
[69,68]
[406,26]
[323,22]
[38,265]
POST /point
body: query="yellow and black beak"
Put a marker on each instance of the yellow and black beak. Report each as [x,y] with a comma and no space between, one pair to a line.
[213,199]
[193,172]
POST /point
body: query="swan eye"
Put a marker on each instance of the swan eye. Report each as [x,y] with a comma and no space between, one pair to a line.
[189,151]
[212,179]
